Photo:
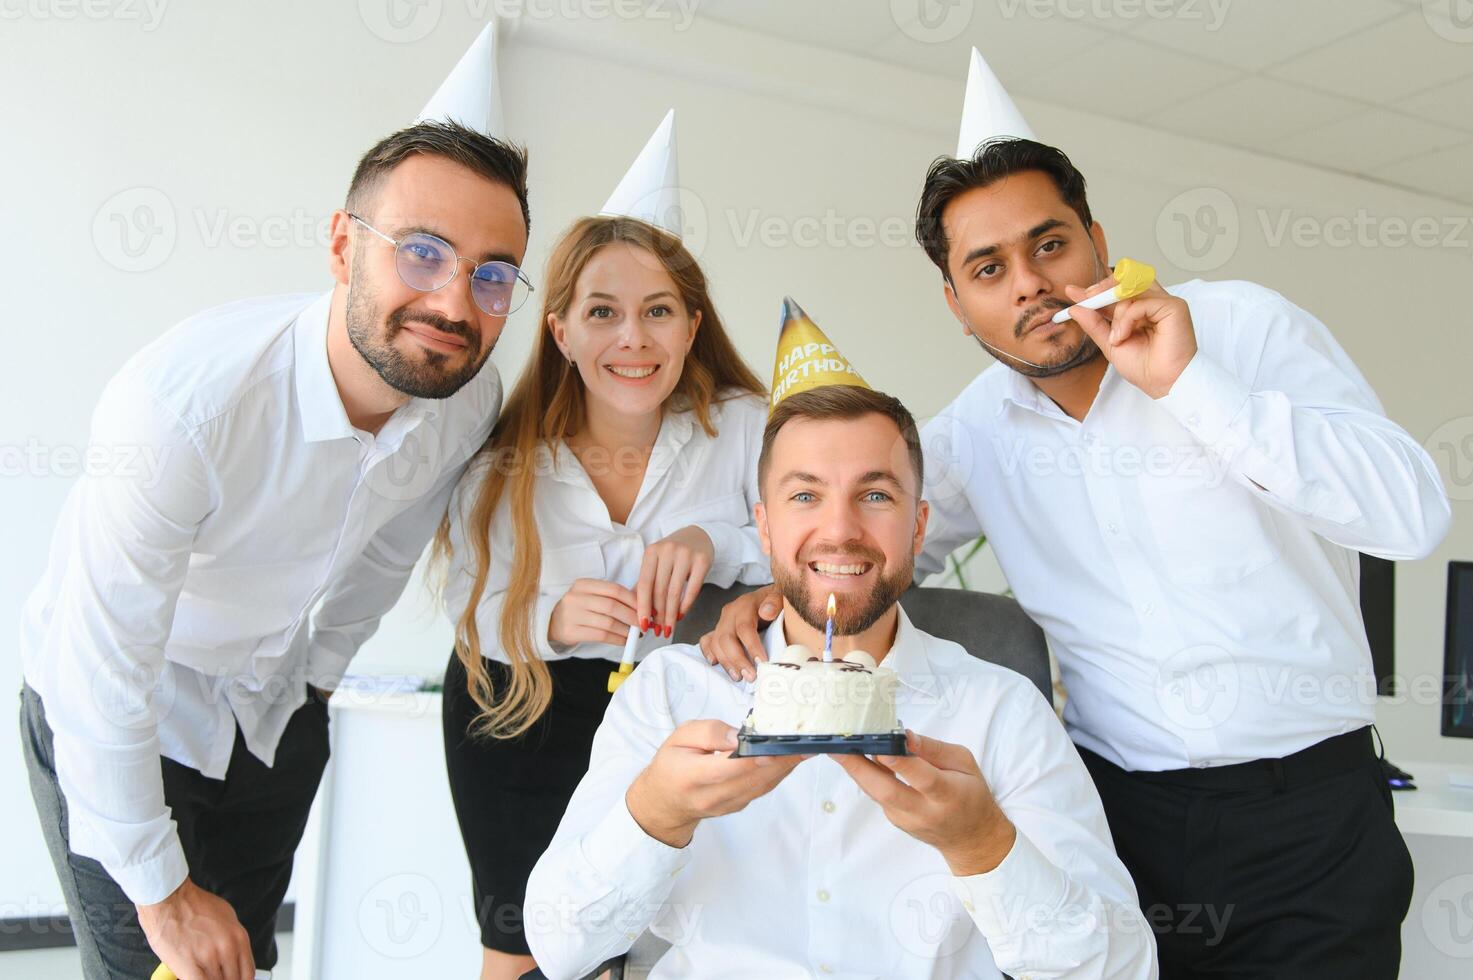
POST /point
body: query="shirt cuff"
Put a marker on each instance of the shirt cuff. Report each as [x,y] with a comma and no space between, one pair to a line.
[1206,399]
[326,667]
[630,859]
[542,627]
[153,880]
[992,898]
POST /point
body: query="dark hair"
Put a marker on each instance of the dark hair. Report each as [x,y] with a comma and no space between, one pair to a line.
[497,161]
[841,402]
[995,159]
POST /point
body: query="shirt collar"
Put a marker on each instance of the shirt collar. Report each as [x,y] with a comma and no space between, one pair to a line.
[318,400]
[907,656]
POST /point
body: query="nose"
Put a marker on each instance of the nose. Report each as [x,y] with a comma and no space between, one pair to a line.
[1030,284]
[633,335]
[454,301]
[840,523]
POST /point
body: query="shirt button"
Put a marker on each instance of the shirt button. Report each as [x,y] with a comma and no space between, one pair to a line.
[823,895]
[1194,420]
[828,806]
[967,904]
[1113,528]
[1148,608]
[825,968]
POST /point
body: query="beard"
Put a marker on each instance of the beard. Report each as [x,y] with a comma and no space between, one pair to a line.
[436,376]
[1063,360]
[858,612]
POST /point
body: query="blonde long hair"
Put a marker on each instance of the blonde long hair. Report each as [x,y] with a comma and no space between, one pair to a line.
[548,404]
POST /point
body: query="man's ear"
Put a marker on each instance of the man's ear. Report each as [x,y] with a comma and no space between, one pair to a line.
[1097,235]
[340,247]
[923,514]
[949,292]
[759,514]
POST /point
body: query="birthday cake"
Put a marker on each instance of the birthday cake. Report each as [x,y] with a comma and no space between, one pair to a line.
[799,693]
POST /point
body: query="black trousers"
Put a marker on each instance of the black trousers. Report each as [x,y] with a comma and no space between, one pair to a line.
[239,835]
[1288,867]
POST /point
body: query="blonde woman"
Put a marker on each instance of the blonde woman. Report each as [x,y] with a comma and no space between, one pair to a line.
[619,479]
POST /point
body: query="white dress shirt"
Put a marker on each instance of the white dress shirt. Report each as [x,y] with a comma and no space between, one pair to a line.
[691,479]
[177,604]
[1193,559]
[812,879]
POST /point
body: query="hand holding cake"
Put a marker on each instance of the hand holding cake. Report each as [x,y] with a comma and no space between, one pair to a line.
[937,795]
[692,777]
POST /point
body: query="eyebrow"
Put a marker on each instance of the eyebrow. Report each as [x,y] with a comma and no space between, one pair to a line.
[873,476]
[400,232]
[1031,233]
[656,295]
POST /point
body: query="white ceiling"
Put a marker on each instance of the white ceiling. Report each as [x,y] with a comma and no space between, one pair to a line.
[1378,88]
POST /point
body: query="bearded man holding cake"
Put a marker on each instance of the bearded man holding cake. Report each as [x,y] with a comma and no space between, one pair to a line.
[980,849]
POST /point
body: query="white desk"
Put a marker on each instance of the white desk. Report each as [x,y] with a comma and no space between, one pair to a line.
[1437,822]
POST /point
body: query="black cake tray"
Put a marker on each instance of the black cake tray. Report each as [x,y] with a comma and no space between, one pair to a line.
[749,743]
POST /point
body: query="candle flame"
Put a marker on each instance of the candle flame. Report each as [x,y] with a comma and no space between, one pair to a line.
[831,605]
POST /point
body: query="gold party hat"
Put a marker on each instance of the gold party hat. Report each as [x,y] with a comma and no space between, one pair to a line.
[806,358]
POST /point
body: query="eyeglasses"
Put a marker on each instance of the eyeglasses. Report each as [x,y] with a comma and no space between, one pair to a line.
[428,263]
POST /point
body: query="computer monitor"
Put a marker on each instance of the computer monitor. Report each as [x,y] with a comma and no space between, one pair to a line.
[1457,652]
[1378,612]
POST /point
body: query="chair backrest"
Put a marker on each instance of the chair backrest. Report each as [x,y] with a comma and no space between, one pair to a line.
[990,627]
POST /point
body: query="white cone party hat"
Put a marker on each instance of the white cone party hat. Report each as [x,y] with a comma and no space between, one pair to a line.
[471,93]
[650,190]
[988,111]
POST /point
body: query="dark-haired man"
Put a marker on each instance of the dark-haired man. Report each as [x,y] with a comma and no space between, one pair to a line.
[983,851]
[1176,489]
[191,622]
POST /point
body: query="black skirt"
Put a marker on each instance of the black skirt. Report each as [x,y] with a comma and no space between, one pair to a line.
[510,794]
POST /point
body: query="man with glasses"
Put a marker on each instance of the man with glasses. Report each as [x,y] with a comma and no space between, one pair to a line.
[180,650]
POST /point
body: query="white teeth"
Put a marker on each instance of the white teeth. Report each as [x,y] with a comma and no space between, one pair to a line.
[826,569]
[632,372]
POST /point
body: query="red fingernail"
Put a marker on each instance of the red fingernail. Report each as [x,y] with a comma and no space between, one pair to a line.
[644,625]
[669,632]
[679,617]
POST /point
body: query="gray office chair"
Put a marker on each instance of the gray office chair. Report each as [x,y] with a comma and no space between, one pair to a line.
[990,627]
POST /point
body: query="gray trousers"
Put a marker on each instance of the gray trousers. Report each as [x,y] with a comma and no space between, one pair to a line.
[238,833]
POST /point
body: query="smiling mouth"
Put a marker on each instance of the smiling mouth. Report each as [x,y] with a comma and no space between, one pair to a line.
[435,337]
[632,373]
[852,569]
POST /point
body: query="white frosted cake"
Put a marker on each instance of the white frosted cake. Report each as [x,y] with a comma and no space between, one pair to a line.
[798,693]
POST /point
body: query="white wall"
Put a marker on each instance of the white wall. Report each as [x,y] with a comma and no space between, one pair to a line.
[256,114]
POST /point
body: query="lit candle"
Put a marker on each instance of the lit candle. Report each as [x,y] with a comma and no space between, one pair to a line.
[828,633]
